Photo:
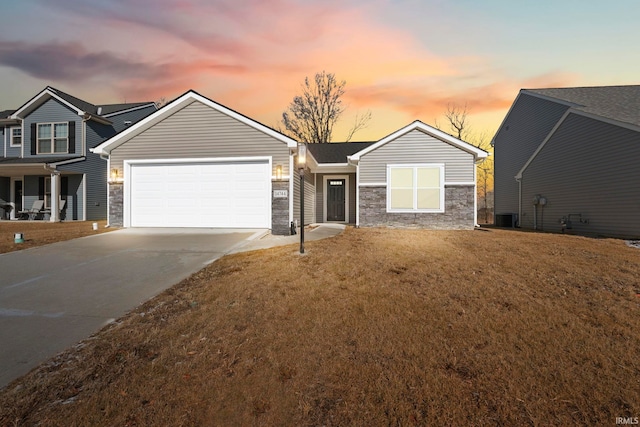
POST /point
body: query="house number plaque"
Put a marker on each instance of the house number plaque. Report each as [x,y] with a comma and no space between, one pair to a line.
[280,194]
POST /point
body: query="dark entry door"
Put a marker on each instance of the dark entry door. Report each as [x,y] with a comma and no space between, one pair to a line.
[335,200]
[17,195]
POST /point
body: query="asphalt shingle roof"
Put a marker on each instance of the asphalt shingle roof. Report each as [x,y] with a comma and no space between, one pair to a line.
[336,152]
[6,113]
[93,109]
[621,103]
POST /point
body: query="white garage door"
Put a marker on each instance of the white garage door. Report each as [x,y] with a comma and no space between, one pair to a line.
[231,194]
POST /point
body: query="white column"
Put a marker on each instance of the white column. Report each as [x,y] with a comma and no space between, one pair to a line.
[55,197]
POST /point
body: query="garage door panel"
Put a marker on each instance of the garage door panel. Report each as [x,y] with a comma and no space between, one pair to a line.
[201,195]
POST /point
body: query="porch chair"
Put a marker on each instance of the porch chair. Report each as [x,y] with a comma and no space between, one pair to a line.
[6,209]
[61,205]
[32,213]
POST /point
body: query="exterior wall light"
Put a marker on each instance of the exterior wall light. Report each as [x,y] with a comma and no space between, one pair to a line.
[279,172]
[115,175]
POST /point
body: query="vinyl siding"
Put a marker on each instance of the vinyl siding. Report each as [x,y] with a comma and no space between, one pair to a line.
[320,202]
[12,151]
[75,195]
[529,122]
[200,131]
[591,168]
[50,112]
[95,168]
[309,198]
[417,147]
[5,188]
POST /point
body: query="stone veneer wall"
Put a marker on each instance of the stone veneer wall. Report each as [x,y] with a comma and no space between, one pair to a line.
[458,213]
[280,209]
[116,200]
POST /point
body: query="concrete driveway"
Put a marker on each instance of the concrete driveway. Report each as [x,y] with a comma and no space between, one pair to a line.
[53,296]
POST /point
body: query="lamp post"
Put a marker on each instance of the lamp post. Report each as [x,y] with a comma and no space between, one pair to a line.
[302,162]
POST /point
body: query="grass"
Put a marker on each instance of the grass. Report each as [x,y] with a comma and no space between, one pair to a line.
[372,327]
[38,233]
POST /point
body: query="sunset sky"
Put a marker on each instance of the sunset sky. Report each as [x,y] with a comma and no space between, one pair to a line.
[402,59]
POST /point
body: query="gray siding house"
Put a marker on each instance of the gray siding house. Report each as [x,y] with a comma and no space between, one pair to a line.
[45,155]
[196,163]
[567,159]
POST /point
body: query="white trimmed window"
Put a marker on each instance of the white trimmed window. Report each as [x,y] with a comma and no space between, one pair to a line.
[53,138]
[415,188]
[16,137]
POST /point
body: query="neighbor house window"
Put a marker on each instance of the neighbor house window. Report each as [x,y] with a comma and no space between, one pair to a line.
[53,138]
[16,137]
[415,188]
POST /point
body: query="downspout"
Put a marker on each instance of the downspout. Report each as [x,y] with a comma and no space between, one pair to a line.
[519,179]
[475,192]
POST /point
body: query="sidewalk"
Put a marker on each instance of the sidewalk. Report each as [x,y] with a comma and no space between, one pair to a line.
[267,240]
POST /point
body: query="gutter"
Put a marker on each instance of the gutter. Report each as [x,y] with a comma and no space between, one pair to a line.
[99,119]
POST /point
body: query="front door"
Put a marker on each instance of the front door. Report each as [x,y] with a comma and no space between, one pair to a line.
[335,200]
[17,196]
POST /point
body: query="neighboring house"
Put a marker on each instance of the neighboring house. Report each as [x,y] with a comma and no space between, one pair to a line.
[45,154]
[196,163]
[568,158]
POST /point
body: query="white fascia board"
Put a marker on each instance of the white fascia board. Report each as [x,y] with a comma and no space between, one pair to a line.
[175,105]
[36,99]
[443,136]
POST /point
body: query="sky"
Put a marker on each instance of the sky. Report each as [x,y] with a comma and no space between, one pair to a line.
[402,60]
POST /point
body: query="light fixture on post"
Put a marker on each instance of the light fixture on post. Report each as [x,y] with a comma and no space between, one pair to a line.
[279,172]
[302,163]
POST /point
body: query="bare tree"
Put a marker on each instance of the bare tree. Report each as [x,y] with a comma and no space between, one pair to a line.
[311,116]
[361,122]
[457,120]
[161,102]
[484,177]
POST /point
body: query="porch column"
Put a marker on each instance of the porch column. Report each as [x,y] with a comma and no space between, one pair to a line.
[55,197]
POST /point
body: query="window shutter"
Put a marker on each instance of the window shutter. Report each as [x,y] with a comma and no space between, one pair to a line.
[33,139]
[41,188]
[72,137]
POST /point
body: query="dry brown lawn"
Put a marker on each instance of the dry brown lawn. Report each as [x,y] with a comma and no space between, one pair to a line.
[38,233]
[373,327]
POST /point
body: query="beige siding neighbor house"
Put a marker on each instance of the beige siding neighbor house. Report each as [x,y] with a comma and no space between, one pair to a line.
[196,163]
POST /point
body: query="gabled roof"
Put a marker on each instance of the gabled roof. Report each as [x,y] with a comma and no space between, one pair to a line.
[176,105]
[336,152]
[78,105]
[436,133]
[620,103]
[617,105]
[6,120]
